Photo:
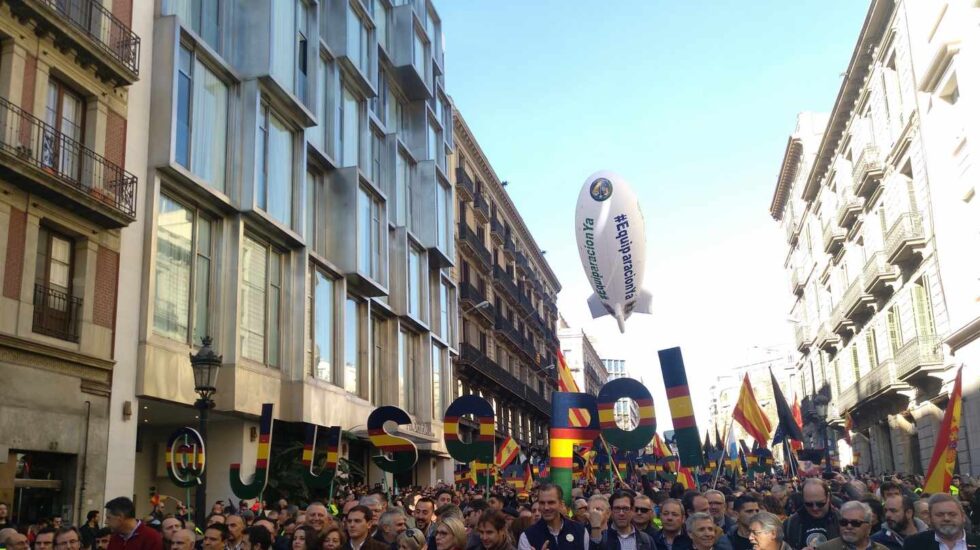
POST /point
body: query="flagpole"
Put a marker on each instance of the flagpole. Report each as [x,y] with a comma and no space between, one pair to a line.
[724,449]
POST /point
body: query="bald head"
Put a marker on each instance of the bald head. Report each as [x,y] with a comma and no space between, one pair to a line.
[183,539]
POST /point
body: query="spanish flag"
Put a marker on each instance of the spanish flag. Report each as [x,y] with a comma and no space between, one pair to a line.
[507,453]
[750,415]
[660,449]
[686,479]
[944,454]
[578,418]
[528,480]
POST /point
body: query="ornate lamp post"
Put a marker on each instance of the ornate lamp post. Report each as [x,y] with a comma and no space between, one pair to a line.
[206,364]
[820,403]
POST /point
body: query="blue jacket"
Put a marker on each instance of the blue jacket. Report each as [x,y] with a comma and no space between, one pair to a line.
[572,536]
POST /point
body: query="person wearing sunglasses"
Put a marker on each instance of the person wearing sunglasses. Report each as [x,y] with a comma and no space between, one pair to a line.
[643,515]
[622,534]
[855,529]
[816,522]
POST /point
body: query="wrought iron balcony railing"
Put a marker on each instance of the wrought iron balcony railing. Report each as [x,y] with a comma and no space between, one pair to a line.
[868,171]
[480,207]
[905,238]
[472,357]
[472,241]
[464,185]
[920,352]
[56,313]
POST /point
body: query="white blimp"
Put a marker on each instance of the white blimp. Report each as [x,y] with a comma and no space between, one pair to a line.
[611,239]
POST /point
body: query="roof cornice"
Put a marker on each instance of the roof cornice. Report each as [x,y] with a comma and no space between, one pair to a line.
[787,175]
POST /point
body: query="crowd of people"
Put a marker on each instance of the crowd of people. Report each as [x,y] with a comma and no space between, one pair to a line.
[762,513]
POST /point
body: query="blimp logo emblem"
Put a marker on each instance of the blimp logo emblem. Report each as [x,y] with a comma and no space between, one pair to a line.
[601,189]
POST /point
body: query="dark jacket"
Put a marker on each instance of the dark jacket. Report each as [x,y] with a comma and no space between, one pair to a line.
[838,544]
[892,540]
[610,540]
[796,527]
[369,544]
[651,530]
[926,540]
[538,533]
[681,542]
[144,537]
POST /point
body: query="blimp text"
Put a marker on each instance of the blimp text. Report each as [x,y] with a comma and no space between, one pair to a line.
[588,229]
[625,249]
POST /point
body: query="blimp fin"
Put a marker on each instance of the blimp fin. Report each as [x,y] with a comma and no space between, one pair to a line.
[644,302]
[596,307]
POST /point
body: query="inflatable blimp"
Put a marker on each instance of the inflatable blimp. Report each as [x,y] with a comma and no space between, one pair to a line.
[612,245]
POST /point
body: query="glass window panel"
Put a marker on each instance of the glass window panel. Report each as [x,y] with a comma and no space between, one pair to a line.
[323,316]
[418,53]
[442,217]
[175,229]
[381,22]
[431,140]
[283,47]
[377,359]
[402,182]
[349,129]
[275,298]
[261,170]
[351,341]
[280,169]
[444,310]
[311,196]
[414,283]
[403,352]
[376,249]
[364,231]
[183,124]
[437,411]
[208,135]
[202,281]
[354,31]
[253,302]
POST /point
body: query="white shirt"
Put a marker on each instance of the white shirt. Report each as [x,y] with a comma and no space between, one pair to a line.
[959,545]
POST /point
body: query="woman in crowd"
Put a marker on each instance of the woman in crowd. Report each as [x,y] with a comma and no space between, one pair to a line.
[411,539]
[450,534]
[334,539]
[305,538]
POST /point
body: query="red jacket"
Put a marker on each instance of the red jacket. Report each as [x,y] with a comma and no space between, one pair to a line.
[143,538]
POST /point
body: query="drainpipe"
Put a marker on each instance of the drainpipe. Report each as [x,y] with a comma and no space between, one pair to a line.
[84,464]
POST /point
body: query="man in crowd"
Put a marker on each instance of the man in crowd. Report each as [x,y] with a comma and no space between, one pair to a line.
[496,502]
[44,540]
[948,527]
[90,528]
[443,496]
[855,529]
[816,523]
[127,532]
[622,534]
[15,540]
[4,515]
[671,535]
[493,532]
[236,532]
[694,502]
[168,527]
[598,508]
[67,538]
[102,538]
[900,522]
[581,514]
[703,531]
[317,517]
[424,512]
[717,509]
[391,524]
[552,528]
[643,515]
[746,506]
[922,511]
[358,525]
[182,540]
[215,537]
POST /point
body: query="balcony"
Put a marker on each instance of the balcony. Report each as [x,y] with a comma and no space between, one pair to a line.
[56,313]
[850,208]
[504,281]
[868,171]
[38,157]
[481,210]
[840,323]
[797,280]
[497,233]
[509,249]
[792,233]
[96,37]
[470,297]
[856,304]
[475,364]
[919,354]
[879,275]
[522,264]
[471,242]
[880,380]
[833,238]
[504,327]
[905,239]
[827,339]
[804,338]
[464,185]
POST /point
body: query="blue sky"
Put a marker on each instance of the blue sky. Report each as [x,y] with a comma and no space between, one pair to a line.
[692,102]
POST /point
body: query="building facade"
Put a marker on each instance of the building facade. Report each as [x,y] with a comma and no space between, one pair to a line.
[866,197]
[298,209]
[627,411]
[588,369]
[65,196]
[507,294]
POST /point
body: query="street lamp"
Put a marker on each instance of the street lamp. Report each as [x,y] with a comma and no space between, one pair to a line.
[820,403]
[482,305]
[205,364]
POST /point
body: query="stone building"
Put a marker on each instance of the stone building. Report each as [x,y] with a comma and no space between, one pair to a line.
[588,369]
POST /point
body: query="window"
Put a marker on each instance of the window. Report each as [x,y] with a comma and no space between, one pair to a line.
[380,14]
[378,339]
[349,128]
[284,34]
[202,120]
[403,189]
[183,272]
[419,52]
[375,170]
[312,195]
[318,135]
[415,281]
[431,140]
[55,311]
[302,50]
[203,17]
[352,352]
[357,41]
[407,348]
[322,315]
[437,382]
[275,172]
[444,318]
[443,222]
[65,113]
[260,302]
[871,341]
[369,226]
[925,325]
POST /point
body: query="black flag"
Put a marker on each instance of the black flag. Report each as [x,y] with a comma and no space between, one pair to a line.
[787,424]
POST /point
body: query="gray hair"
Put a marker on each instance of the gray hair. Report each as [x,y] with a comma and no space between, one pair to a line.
[369,500]
[696,517]
[770,523]
[597,498]
[857,505]
[388,516]
[939,498]
[714,492]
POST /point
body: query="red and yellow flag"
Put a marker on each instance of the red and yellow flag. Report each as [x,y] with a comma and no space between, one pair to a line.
[507,453]
[686,478]
[798,417]
[579,418]
[750,415]
[944,454]
[660,449]
[528,479]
